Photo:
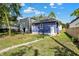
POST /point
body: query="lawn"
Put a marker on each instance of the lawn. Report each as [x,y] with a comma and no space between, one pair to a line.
[8,41]
[66,40]
[46,47]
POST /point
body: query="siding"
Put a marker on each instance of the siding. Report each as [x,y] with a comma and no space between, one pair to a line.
[73,32]
[74,24]
[74,28]
[44,28]
[25,23]
[35,28]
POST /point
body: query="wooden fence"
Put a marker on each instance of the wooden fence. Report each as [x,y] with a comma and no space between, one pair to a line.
[73,32]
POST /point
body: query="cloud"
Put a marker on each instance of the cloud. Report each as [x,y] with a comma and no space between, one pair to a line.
[29,10]
[33,10]
[37,12]
[52,5]
[45,7]
[59,3]
[22,4]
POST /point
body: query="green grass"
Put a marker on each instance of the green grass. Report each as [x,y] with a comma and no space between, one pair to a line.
[17,39]
[64,39]
[46,47]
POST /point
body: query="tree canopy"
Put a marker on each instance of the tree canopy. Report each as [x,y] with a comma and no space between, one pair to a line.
[52,15]
[7,11]
[75,13]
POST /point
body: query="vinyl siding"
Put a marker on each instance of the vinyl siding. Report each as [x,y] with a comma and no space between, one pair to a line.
[44,28]
[74,24]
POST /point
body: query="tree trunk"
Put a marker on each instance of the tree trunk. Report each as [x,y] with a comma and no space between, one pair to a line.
[8,24]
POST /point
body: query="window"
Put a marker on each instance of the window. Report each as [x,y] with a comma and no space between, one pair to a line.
[41,26]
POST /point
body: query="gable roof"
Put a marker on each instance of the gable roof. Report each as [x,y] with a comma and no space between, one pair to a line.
[24,19]
[47,20]
[74,20]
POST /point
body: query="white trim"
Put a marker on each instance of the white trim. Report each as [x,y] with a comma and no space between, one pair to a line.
[35,33]
[51,34]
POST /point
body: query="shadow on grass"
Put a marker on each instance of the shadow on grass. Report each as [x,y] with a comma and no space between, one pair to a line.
[73,39]
[61,51]
[65,46]
[36,52]
[3,34]
[68,35]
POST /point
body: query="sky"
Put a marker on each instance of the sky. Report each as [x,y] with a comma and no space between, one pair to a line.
[61,10]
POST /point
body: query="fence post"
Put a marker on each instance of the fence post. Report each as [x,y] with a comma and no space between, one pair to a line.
[36,52]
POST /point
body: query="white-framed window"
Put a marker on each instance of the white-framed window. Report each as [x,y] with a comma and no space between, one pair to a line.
[41,26]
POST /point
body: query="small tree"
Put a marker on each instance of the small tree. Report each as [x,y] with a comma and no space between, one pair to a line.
[75,13]
[52,15]
[9,10]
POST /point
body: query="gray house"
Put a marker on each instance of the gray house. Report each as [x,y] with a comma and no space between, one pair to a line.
[74,23]
[74,28]
[25,24]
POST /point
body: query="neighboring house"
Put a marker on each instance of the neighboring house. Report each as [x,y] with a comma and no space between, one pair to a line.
[25,24]
[47,26]
[4,28]
[74,28]
[74,23]
[19,25]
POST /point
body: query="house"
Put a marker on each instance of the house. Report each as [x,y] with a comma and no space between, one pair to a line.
[60,28]
[25,24]
[74,28]
[4,28]
[74,23]
[22,25]
[47,26]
